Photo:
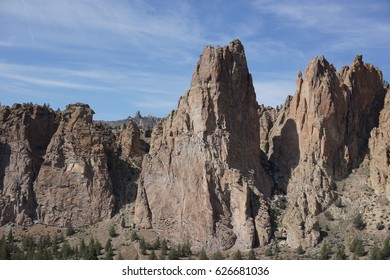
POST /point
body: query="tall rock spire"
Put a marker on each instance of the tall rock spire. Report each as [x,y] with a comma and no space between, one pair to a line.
[202,181]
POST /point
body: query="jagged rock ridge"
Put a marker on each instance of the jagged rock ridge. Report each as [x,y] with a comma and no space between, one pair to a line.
[320,135]
[60,167]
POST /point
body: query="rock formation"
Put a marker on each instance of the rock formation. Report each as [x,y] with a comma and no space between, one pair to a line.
[74,185]
[60,167]
[25,132]
[319,136]
[220,171]
[380,152]
[202,181]
[88,172]
[267,118]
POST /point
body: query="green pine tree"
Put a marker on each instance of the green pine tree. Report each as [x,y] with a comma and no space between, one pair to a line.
[237,255]
[152,256]
[218,256]
[340,254]
[385,252]
[357,247]
[202,255]
[325,252]
[164,247]
[251,255]
[300,250]
[376,253]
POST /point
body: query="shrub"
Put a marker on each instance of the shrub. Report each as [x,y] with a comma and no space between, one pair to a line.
[152,256]
[185,250]
[340,254]
[218,256]
[300,250]
[328,216]
[111,231]
[357,247]
[237,255]
[376,253]
[269,252]
[338,203]
[326,252]
[70,230]
[156,244]
[385,252]
[142,246]
[109,250]
[251,255]
[202,255]
[173,254]
[134,236]
[358,222]
[164,247]
[380,226]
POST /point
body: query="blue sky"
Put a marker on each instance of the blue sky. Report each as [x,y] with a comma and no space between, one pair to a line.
[120,56]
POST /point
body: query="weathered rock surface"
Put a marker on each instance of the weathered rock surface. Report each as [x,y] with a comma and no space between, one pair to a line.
[125,161]
[74,185]
[202,181]
[320,135]
[267,118]
[25,132]
[380,152]
[87,171]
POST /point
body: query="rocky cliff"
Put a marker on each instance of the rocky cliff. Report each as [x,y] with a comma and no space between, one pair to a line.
[60,167]
[380,152]
[320,135]
[25,132]
[74,185]
[202,181]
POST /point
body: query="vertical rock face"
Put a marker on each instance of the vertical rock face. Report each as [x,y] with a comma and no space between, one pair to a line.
[202,181]
[267,118]
[25,132]
[320,136]
[74,184]
[125,160]
[380,152]
[60,167]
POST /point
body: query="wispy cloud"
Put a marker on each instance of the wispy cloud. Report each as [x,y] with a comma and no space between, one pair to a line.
[343,21]
[101,24]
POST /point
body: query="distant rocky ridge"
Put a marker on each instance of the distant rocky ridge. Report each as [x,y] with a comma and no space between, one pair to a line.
[213,170]
[146,123]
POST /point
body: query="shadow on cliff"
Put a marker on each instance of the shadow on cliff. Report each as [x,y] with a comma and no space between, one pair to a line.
[285,156]
[5,154]
[124,181]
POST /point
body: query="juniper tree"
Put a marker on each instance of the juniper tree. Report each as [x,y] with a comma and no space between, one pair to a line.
[202,255]
[251,255]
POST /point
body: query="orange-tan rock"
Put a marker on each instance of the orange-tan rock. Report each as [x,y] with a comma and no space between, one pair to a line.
[320,135]
[380,152]
[25,132]
[202,181]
